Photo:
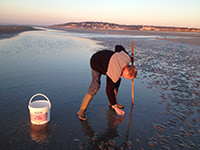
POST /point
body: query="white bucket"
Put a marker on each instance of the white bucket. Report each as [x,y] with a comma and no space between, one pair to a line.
[39,110]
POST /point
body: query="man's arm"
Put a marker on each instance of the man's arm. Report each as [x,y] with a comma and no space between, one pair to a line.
[110,85]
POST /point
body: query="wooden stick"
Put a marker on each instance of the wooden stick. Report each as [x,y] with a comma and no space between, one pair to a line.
[132,79]
[132,52]
[132,91]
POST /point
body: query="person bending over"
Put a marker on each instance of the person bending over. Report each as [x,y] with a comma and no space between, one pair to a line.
[113,64]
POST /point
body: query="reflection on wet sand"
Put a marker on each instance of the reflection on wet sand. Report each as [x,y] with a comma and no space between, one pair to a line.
[129,122]
[107,139]
[172,69]
[41,133]
[36,62]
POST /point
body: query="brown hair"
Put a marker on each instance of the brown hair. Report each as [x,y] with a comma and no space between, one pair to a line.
[132,70]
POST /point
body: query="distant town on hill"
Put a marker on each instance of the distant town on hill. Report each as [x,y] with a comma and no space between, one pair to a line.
[113,26]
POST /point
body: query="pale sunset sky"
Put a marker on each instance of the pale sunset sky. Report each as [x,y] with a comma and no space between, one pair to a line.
[179,13]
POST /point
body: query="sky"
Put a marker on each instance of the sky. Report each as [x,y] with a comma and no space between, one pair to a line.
[179,13]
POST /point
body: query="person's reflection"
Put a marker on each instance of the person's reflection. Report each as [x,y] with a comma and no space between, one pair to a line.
[40,133]
[105,140]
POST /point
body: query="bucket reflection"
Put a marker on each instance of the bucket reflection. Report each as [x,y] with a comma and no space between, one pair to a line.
[40,133]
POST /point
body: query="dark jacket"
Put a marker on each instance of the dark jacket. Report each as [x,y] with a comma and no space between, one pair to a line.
[106,60]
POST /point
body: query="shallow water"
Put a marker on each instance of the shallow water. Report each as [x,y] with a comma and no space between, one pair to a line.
[56,63]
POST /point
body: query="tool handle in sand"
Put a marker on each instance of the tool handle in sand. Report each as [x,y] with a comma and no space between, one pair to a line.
[132,79]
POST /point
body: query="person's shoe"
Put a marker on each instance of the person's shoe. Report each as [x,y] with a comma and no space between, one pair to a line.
[118,110]
[86,100]
[82,116]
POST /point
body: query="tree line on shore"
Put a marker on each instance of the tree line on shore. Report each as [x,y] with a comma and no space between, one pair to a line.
[113,26]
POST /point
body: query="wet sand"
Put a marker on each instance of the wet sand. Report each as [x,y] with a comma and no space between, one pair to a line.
[168,69]
[192,38]
[7,31]
[166,110]
[191,41]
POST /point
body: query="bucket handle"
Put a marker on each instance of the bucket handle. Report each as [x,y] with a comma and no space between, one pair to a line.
[39,94]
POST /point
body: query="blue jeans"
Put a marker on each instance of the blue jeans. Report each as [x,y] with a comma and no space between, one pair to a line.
[95,83]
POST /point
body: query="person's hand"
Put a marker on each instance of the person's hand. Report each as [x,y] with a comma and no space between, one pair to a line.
[118,110]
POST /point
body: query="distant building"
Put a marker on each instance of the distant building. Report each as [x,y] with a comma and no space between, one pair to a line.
[113,26]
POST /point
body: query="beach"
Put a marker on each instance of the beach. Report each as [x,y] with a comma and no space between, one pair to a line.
[180,37]
[56,63]
[192,38]
[7,31]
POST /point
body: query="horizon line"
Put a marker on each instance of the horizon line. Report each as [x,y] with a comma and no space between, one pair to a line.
[35,24]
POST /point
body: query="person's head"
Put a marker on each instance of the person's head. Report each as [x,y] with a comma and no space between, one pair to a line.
[129,72]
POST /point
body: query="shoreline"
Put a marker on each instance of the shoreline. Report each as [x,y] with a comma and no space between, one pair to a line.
[9,31]
[131,32]
[192,38]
